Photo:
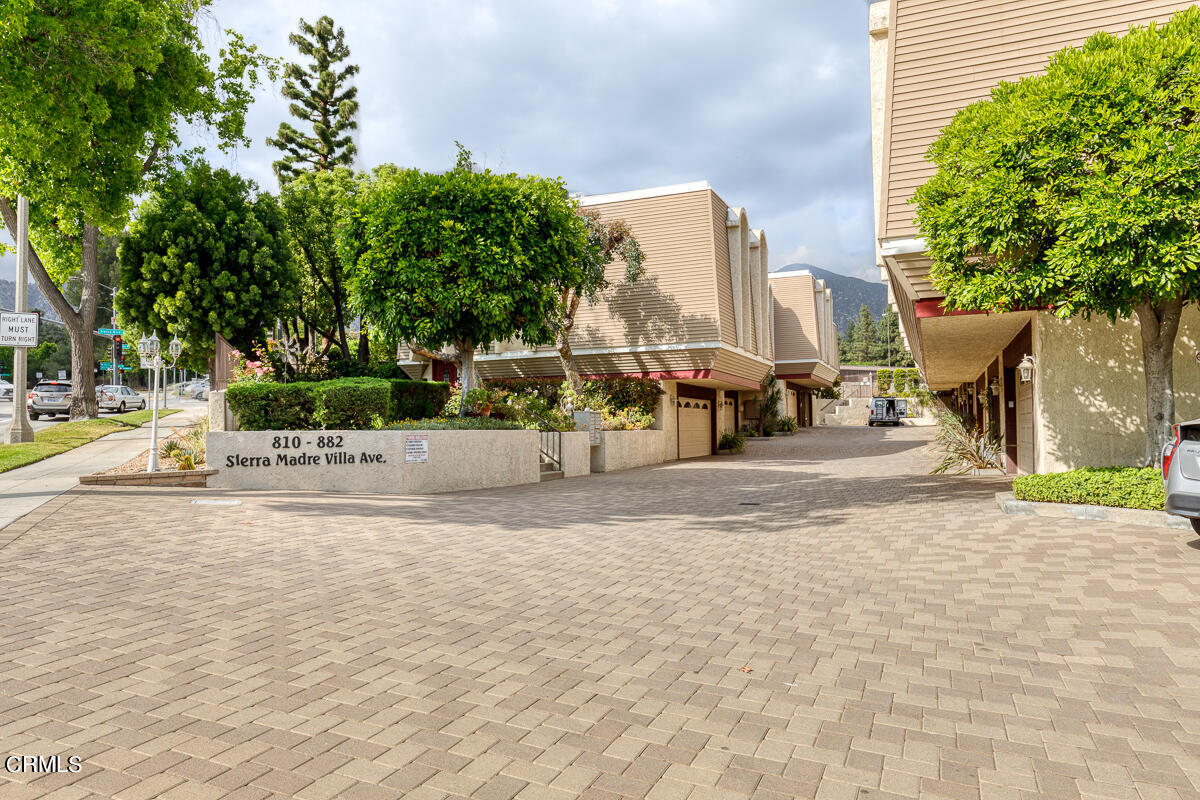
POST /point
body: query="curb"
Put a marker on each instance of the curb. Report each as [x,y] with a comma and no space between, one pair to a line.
[174,477]
[1010,505]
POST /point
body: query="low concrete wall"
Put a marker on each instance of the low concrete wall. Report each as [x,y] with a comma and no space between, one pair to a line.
[386,462]
[576,454]
[627,449]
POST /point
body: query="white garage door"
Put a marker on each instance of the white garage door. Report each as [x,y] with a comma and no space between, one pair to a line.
[695,427]
[1025,427]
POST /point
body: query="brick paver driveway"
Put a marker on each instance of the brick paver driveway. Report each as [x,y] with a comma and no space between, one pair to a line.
[815,618]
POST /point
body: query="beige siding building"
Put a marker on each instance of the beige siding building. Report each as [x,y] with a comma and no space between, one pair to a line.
[1085,405]
[806,352]
[699,321]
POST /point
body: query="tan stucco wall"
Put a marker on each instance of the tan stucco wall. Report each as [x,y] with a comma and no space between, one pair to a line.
[627,449]
[1090,395]
[576,454]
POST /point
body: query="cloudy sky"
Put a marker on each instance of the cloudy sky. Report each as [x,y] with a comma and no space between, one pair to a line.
[767,100]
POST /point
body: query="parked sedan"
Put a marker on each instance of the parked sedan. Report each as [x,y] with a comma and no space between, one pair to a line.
[118,398]
[1181,472]
[198,390]
[49,398]
[6,390]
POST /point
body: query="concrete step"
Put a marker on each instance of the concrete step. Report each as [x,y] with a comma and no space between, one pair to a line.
[551,474]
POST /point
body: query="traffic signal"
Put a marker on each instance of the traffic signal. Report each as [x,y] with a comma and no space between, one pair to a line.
[116,353]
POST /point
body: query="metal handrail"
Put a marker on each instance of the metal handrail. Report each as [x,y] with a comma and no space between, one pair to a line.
[551,447]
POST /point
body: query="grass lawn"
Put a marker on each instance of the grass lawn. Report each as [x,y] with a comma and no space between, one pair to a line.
[68,435]
[136,418]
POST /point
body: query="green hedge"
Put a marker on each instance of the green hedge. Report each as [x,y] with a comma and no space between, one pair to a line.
[347,404]
[1122,487]
[339,404]
[418,399]
[618,394]
[272,406]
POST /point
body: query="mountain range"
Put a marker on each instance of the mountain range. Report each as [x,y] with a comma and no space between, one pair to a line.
[849,294]
[8,298]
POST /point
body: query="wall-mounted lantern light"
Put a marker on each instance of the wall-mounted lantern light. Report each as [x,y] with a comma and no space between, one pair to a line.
[995,386]
[1026,368]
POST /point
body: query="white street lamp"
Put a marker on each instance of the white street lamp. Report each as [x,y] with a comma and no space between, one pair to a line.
[148,348]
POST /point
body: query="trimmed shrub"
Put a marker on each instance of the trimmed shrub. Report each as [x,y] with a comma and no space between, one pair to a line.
[272,406]
[456,424]
[1120,487]
[417,399]
[351,403]
[621,394]
[617,394]
[734,442]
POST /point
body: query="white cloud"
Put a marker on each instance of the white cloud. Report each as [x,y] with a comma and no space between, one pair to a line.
[768,101]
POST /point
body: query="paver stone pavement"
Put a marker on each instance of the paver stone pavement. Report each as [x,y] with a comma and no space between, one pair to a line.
[815,618]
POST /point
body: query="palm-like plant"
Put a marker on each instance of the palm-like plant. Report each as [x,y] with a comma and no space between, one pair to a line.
[965,449]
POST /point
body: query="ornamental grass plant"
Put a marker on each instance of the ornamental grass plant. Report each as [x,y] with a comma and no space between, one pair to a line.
[964,450]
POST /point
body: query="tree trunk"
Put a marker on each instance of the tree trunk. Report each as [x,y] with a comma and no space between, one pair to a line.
[1159,325]
[565,355]
[466,370]
[80,326]
[364,343]
[566,358]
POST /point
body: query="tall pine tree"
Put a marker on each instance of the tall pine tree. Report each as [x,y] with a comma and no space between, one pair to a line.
[321,98]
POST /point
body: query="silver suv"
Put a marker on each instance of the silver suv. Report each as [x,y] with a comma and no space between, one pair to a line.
[1181,472]
[50,398]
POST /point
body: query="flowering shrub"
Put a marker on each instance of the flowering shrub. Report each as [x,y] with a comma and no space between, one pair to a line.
[255,370]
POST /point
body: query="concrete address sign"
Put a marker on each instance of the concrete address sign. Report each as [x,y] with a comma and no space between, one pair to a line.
[387,461]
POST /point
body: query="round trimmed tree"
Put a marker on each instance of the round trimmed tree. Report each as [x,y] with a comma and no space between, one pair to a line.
[207,254]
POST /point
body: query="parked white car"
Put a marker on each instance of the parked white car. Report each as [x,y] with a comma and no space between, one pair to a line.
[6,390]
[119,398]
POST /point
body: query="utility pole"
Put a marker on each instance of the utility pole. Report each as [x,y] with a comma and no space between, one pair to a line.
[19,430]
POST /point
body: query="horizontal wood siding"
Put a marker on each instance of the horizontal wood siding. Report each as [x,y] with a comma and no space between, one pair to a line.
[725,309]
[796,329]
[676,301]
[949,54]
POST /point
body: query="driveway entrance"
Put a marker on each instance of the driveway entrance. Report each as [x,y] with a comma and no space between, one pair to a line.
[815,618]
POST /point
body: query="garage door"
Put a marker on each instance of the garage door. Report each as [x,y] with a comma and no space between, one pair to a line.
[695,427]
[791,404]
[1025,427]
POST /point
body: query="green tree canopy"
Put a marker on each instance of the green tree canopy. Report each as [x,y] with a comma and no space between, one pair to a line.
[463,258]
[92,97]
[206,255]
[1078,191]
[322,99]
[316,208]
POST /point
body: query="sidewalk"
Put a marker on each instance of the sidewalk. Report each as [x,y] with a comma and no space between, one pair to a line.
[25,488]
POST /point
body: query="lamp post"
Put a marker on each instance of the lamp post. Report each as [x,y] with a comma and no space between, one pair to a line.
[148,349]
[174,349]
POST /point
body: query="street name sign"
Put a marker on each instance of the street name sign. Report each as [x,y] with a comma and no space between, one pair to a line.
[18,329]
[110,332]
[105,365]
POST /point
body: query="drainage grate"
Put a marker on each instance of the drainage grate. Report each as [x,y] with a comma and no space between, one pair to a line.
[216,502]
